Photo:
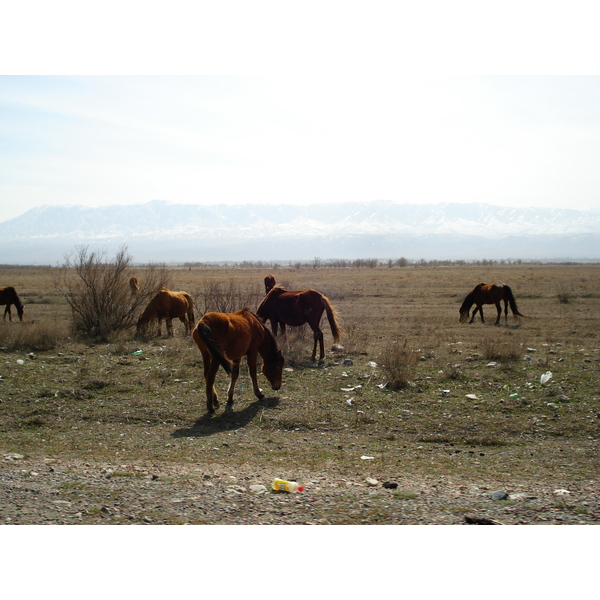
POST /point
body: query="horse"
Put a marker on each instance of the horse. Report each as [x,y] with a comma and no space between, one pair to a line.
[168,305]
[135,286]
[224,339]
[492,293]
[269,283]
[285,307]
[9,296]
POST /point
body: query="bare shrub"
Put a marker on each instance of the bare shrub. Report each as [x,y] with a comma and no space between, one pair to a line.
[295,344]
[398,362]
[229,296]
[98,291]
[497,346]
[356,337]
[564,295]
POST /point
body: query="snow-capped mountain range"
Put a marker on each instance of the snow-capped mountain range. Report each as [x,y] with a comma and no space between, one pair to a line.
[165,232]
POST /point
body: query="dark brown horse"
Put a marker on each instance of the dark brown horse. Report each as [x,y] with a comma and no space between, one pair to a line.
[9,296]
[224,339]
[168,305]
[269,283]
[492,293]
[283,308]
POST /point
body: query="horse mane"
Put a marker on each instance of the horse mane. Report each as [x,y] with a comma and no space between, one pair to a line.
[469,300]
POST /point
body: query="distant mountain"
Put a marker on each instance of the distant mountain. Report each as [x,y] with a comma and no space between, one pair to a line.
[164,232]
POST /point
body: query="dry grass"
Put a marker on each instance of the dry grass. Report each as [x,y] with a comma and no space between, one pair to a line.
[101,401]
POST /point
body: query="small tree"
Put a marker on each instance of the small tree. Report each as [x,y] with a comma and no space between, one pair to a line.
[98,290]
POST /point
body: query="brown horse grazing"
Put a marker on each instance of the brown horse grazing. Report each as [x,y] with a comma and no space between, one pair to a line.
[223,339]
[135,286]
[269,283]
[168,305]
[9,296]
[296,308]
[492,293]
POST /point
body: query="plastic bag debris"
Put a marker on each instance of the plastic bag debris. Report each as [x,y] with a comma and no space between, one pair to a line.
[546,377]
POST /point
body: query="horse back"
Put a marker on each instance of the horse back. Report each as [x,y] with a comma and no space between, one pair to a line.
[294,308]
[237,333]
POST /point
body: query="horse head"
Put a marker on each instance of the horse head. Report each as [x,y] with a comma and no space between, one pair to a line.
[465,308]
[273,370]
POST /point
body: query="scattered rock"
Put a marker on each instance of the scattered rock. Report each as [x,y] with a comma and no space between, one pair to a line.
[372,482]
[258,488]
[499,495]
[390,485]
[14,456]
[480,521]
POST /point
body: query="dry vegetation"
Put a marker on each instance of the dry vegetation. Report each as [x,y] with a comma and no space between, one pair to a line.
[436,404]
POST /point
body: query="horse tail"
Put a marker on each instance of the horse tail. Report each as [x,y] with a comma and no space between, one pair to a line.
[190,312]
[331,314]
[204,333]
[512,302]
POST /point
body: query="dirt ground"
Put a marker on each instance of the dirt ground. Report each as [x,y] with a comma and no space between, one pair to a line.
[91,434]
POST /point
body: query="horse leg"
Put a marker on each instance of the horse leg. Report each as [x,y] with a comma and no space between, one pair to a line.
[506,311]
[318,339]
[499,309]
[169,326]
[210,372]
[159,326]
[7,310]
[185,323]
[321,345]
[235,373]
[252,356]
[477,308]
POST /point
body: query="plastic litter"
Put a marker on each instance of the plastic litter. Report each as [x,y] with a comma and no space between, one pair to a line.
[283,485]
[137,353]
[546,377]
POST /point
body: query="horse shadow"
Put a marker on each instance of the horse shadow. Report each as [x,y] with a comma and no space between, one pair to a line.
[228,420]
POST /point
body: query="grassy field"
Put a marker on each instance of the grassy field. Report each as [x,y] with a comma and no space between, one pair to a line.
[469,402]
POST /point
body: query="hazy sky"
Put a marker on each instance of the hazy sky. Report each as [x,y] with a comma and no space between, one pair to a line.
[354,120]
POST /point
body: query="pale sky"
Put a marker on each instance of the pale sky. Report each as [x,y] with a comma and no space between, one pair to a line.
[305,136]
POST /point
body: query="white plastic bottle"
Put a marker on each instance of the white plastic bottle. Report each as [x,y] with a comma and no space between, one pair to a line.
[282,485]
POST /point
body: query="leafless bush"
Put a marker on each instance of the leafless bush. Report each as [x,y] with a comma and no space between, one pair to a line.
[98,292]
[230,296]
[356,337]
[564,295]
[398,362]
[296,345]
[496,346]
